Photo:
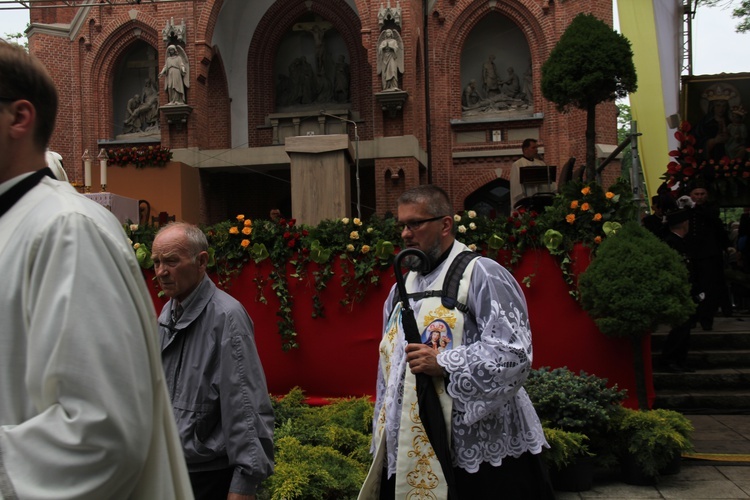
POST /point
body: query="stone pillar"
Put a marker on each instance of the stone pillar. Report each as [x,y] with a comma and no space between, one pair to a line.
[320,177]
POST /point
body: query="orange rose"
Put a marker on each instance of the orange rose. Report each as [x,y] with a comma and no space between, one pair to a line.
[574,204]
[247,230]
[248,223]
[240,217]
[609,195]
[597,217]
[598,240]
[234,230]
[245,243]
[570,218]
[585,191]
[585,207]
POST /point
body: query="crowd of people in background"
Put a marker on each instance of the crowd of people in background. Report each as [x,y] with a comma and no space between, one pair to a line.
[717,256]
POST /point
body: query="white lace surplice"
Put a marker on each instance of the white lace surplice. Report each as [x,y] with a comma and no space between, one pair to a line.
[492,415]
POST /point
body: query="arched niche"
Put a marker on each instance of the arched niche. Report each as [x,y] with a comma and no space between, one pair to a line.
[135,78]
[497,41]
[490,200]
[311,67]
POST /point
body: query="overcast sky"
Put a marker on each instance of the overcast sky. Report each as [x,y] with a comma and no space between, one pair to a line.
[717,47]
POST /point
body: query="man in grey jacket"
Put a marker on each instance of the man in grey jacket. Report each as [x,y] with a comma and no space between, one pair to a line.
[214,376]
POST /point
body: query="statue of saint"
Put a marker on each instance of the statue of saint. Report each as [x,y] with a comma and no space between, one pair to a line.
[177,74]
[390,59]
[470,96]
[490,81]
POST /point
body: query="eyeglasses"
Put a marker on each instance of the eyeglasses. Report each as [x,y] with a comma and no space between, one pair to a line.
[413,225]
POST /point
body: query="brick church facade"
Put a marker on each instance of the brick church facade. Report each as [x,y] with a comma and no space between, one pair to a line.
[440,91]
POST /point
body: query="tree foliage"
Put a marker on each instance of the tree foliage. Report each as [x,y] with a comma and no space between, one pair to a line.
[590,64]
[635,283]
[740,10]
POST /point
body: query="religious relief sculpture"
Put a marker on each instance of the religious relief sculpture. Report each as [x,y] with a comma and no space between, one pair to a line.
[390,59]
[498,95]
[177,74]
[142,110]
[316,75]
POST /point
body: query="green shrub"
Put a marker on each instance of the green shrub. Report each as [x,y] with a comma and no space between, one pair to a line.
[564,447]
[321,452]
[635,283]
[653,437]
[575,403]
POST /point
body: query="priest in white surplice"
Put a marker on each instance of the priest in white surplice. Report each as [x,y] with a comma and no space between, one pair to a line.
[494,431]
[84,411]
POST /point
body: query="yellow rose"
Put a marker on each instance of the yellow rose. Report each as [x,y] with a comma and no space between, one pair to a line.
[240,217]
[247,230]
[473,247]
[349,247]
[345,220]
[357,222]
[585,207]
[369,230]
[597,217]
[365,248]
[245,243]
[570,218]
[574,204]
[136,246]
[234,230]
[354,235]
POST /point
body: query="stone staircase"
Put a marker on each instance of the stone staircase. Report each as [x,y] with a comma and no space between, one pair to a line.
[721,358]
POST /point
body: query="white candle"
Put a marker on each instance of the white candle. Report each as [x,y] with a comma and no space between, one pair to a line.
[103,165]
[87,173]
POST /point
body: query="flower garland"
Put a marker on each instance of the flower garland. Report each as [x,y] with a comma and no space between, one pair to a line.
[364,250]
[139,156]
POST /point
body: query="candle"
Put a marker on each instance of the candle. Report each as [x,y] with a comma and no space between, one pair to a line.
[87,172]
[103,165]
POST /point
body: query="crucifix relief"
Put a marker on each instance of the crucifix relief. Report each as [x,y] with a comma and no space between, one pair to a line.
[317,30]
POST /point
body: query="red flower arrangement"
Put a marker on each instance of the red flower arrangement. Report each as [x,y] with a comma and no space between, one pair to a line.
[141,157]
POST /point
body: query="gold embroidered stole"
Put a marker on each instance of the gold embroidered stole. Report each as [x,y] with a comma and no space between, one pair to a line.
[419,474]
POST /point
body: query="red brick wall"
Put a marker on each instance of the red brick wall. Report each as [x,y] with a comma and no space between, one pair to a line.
[82,65]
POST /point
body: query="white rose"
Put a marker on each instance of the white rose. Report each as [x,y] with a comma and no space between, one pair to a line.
[369,229]
[472,226]
[354,235]
[457,218]
[345,220]
[134,227]
[473,247]
[472,214]
[349,247]
[136,246]
[461,228]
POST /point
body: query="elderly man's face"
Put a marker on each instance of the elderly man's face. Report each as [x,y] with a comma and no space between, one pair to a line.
[177,269]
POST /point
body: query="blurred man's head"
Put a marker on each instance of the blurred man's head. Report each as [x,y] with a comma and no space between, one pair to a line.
[24,78]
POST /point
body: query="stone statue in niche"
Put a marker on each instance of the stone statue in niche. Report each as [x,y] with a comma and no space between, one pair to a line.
[511,86]
[390,59]
[341,79]
[490,80]
[470,96]
[142,110]
[177,74]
